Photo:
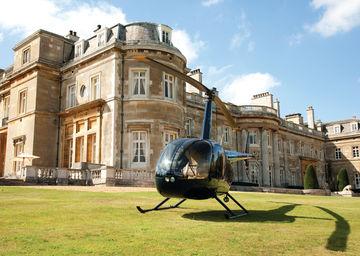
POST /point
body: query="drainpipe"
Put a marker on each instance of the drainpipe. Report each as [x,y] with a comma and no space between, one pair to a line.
[122,109]
[58,129]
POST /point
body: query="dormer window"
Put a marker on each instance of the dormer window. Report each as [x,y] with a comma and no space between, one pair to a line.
[165,34]
[78,50]
[165,37]
[26,56]
[337,129]
[354,127]
[101,39]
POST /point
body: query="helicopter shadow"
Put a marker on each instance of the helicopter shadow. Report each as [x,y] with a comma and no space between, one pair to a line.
[337,241]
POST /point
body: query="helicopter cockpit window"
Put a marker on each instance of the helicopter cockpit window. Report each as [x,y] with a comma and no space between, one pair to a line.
[189,158]
[195,160]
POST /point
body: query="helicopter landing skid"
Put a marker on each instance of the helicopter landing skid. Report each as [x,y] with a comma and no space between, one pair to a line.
[158,207]
[231,214]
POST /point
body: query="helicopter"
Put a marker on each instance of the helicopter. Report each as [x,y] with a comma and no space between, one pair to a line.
[196,168]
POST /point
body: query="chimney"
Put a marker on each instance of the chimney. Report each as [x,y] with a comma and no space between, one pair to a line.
[295,118]
[310,117]
[277,106]
[263,99]
[197,75]
[72,36]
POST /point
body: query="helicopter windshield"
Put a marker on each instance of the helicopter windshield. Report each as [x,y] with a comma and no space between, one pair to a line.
[190,158]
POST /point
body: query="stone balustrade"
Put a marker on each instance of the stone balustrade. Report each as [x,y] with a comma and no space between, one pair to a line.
[105,175]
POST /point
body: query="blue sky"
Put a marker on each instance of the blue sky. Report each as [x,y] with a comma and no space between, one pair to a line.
[304,52]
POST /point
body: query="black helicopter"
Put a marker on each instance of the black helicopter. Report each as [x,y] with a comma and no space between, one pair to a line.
[196,168]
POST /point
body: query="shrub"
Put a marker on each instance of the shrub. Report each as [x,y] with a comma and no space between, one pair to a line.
[342,179]
[310,179]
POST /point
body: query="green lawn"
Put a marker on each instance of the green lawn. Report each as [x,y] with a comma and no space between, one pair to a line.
[53,222]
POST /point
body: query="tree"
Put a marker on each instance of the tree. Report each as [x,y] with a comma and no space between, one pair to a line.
[342,179]
[310,179]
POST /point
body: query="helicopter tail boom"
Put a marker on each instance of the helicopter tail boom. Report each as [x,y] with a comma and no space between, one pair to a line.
[235,156]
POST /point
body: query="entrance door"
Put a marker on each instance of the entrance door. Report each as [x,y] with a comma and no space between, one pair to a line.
[357,181]
[2,153]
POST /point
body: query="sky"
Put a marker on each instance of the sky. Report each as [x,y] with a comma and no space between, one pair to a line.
[304,52]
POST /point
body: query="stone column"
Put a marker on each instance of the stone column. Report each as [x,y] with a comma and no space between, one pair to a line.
[286,162]
[242,148]
[276,160]
[265,159]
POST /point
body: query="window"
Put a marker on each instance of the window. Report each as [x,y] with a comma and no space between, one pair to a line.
[168,86]
[68,151]
[291,148]
[139,82]
[282,175]
[91,148]
[357,181]
[169,136]
[6,106]
[354,127]
[293,179]
[338,154]
[268,136]
[22,101]
[280,148]
[337,129]
[101,39]
[252,138]
[79,150]
[71,96]
[226,135]
[139,147]
[253,174]
[78,50]
[18,149]
[26,56]
[165,37]
[355,151]
[95,87]
[189,126]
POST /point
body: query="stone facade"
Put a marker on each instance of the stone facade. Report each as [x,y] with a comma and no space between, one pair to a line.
[70,100]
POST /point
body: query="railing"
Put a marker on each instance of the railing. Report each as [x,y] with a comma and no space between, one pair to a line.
[75,174]
[46,173]
[128,174]
[300,128]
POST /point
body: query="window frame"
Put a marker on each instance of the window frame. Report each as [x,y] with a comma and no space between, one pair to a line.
[132,77]
[189,126]
[25,57]
[22,107]
[337,129]
[166,83]
[253,134]
[68,94]
[338,154]
[354,126]
[355,152]
[145,148]
[101,38]
[6,106]
[170,133]
[94,95]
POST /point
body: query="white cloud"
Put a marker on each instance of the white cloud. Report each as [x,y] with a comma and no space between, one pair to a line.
[189,46]
[296,39]
[243,35]
[241,88]
[58,16]
[338,16]
[208,3]
[1,37]
[216,71]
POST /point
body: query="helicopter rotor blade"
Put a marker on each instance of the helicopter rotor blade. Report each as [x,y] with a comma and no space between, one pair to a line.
[156,64]
[225,111]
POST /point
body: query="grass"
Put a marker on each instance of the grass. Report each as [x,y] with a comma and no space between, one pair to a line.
[53,222]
